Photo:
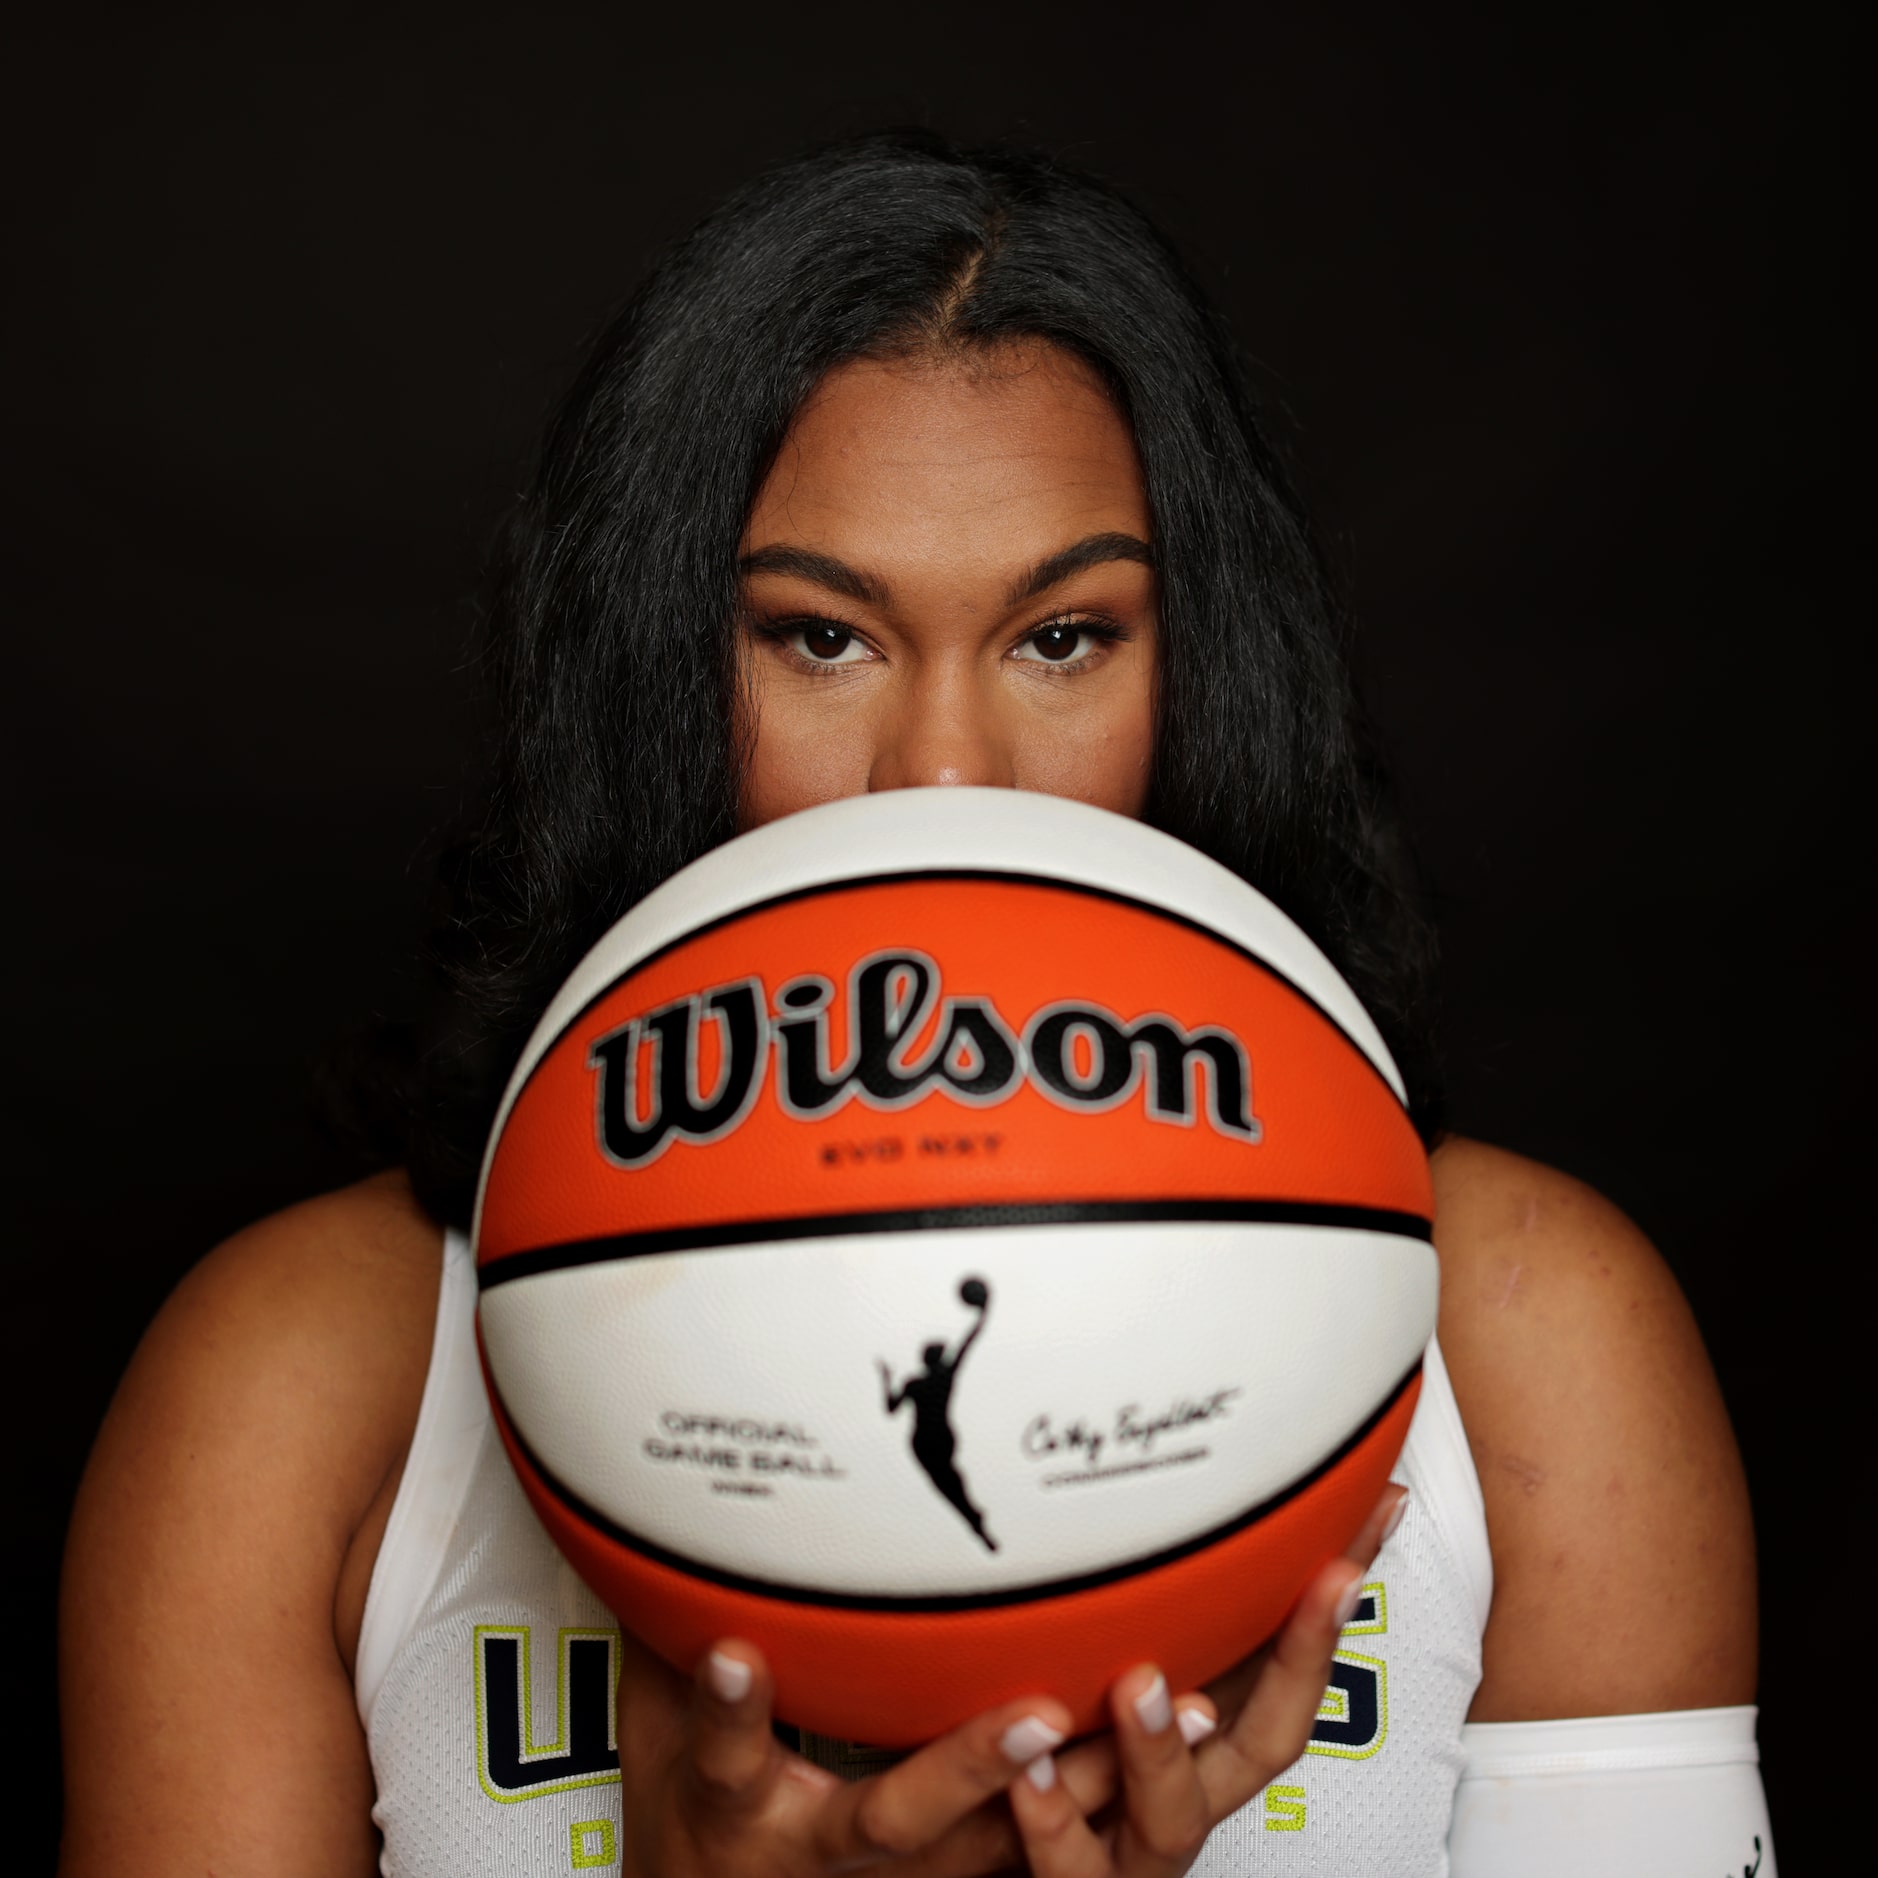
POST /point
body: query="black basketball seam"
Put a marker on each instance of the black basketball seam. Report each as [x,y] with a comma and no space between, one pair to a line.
[936,1604]
[968,1218]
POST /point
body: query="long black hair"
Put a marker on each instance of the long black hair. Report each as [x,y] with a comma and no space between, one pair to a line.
[611,614]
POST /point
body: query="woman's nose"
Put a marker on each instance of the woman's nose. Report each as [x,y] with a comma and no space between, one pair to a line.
[942,734]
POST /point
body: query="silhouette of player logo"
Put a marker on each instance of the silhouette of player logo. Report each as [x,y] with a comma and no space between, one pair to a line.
[930,1393]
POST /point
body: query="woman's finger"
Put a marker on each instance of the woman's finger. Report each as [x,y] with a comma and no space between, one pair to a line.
[1165,1816]
[1385,1516]
[731,1754]
[912,1807]
[1058,1840]
[1092,1771]
[1271,1731]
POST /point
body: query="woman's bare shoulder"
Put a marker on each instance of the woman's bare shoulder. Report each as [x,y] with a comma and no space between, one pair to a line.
[372,1233]
[299,1345]
[315,1304]
[323,1309]
[1616,1507]
[260,1424]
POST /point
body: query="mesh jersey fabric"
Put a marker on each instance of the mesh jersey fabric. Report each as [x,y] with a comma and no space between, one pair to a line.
[486,1667]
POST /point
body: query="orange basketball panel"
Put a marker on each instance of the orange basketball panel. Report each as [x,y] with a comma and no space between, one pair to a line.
[1330,1130]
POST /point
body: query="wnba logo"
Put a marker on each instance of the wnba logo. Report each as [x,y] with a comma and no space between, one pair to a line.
[928,1393]
[1078,1056]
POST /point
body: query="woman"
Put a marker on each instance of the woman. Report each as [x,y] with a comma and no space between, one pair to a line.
[909,467]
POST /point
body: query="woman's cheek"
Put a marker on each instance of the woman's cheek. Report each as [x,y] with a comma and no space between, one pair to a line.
[796,764]
[1104,758]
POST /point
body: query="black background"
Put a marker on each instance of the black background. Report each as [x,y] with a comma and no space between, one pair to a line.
[1556,310]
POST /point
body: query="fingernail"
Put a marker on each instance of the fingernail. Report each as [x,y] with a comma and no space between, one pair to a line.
[1041,1773]
[1152,1707]
[1195,1725]
[730,1679]
[1395,1519]
[1023,1741]
[1346,1605]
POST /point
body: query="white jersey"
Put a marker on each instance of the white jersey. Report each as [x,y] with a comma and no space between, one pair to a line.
[486,1667]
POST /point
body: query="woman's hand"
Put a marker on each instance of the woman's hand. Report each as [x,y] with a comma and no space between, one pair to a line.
[707,1789]
[1178,1770]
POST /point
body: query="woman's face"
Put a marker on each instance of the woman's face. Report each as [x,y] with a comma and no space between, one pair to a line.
[947,578]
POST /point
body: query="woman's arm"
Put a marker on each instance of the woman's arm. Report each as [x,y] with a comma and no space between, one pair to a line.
[1623,1550]
[216,1569]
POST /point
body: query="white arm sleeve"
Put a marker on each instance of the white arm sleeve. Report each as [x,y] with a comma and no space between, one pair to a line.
[1624,1796]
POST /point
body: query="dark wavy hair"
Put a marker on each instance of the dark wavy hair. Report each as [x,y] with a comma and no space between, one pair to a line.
[610,619]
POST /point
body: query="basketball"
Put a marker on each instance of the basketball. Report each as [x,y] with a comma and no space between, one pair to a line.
[965,1242]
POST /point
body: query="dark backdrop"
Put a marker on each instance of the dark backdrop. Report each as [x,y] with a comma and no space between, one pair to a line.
[1555,310]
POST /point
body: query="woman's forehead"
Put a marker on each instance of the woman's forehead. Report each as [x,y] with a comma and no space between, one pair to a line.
[992,456]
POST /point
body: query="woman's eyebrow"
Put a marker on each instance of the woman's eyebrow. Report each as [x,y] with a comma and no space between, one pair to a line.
[823,569]
[1091,551]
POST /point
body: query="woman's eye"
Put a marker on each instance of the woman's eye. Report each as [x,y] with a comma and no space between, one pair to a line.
[1057,645]
[825,644]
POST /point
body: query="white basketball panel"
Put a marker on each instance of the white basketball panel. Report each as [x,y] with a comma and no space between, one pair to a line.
[1134,1387]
